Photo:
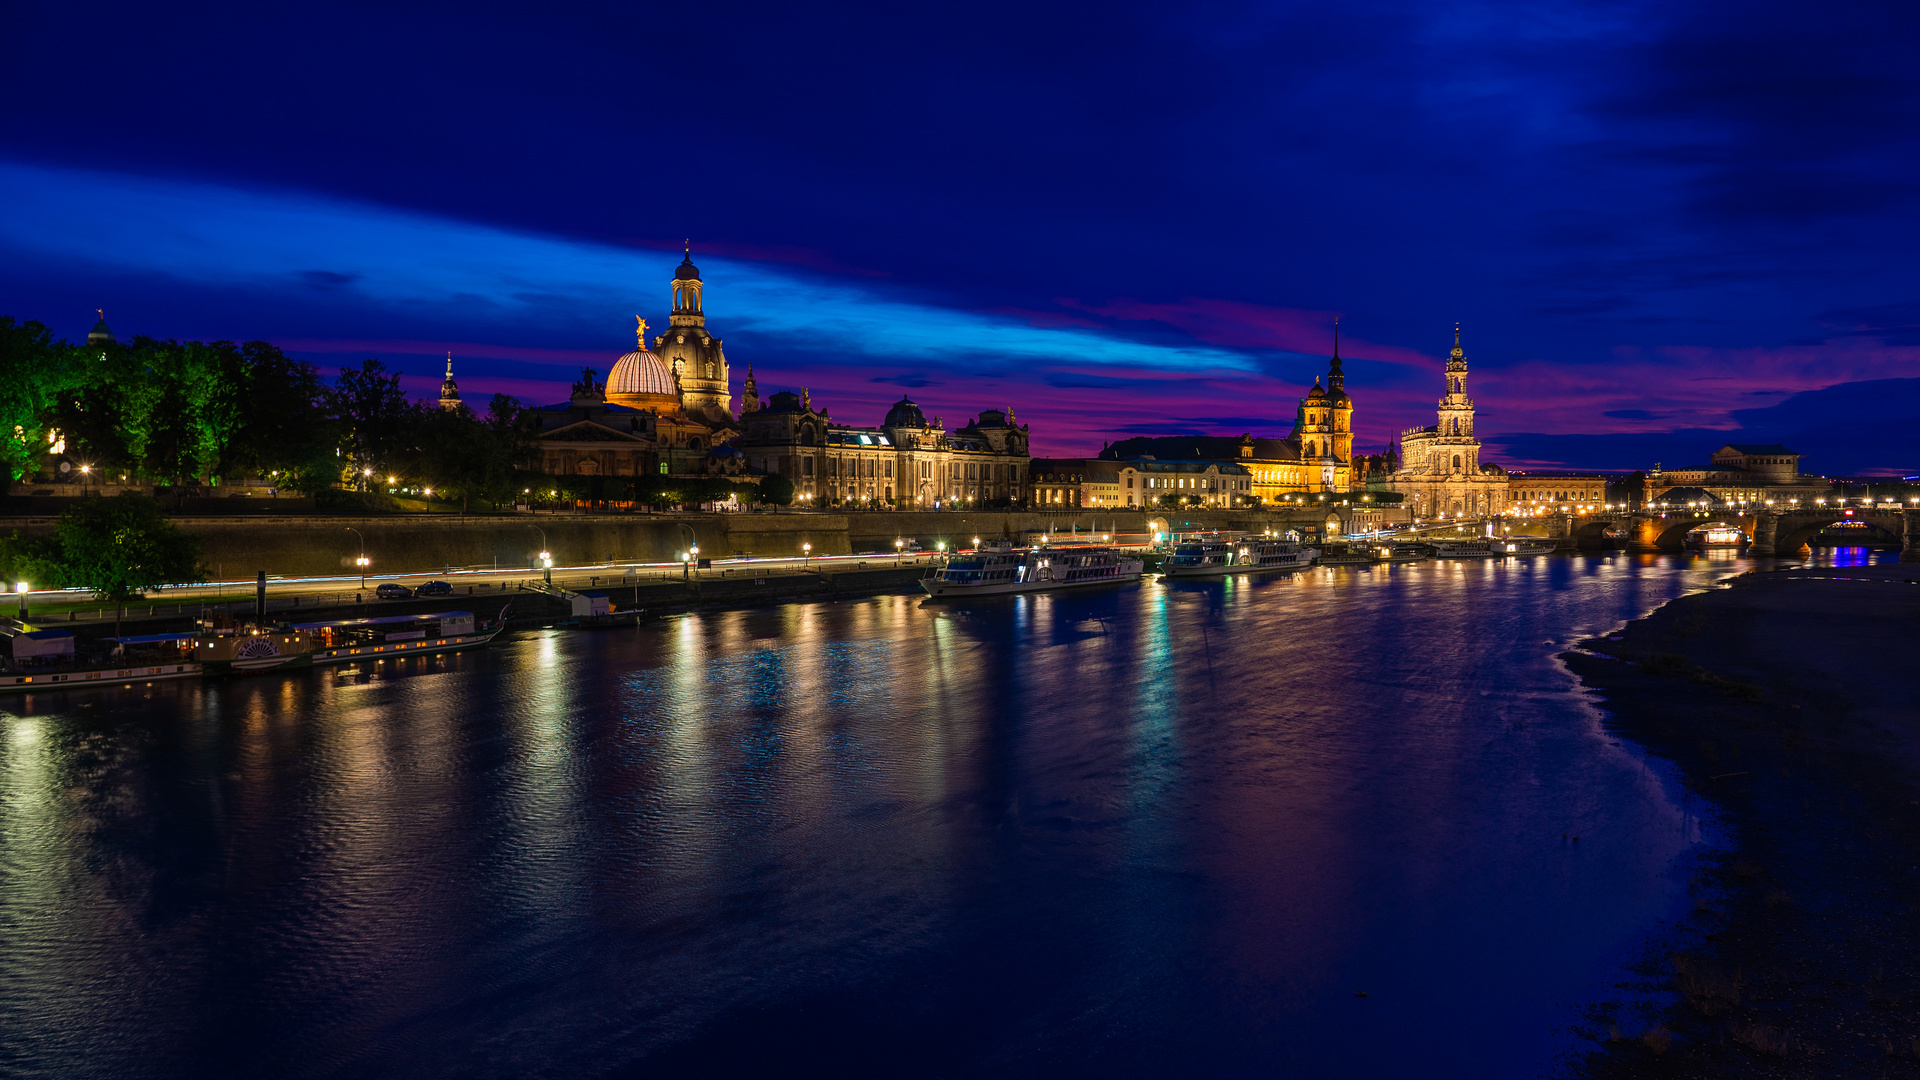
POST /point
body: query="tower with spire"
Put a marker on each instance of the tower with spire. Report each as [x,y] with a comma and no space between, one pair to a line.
[691,353]
[449,390]
[749,394]
[1323,429]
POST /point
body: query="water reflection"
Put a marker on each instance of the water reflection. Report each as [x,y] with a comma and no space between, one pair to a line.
[1144,830]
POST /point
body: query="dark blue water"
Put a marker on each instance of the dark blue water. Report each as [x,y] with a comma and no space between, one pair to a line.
[1166,828]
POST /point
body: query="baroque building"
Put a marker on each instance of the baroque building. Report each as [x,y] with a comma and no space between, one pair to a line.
[653,414]
[1317,457]
[1743,472]
[1440,469]
[905,462]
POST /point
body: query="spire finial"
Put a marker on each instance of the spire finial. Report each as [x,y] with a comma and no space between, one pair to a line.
[687,249]
[640,334]
[1336,337]
[102,312]
[449,364]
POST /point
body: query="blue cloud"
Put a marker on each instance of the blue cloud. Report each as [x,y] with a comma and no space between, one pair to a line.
[226,237]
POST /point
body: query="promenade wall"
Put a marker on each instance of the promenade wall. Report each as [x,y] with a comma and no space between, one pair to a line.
[317,544]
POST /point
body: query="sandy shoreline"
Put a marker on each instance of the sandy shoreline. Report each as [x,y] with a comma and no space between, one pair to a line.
[1791,701]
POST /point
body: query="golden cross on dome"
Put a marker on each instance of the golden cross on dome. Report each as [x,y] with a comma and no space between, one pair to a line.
[641,333]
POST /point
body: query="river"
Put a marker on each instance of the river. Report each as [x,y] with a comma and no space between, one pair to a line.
[1171,828]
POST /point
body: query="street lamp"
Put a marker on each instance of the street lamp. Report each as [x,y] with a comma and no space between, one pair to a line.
[546,563]
[545,557]
[806,555]
[22,588]
[361,562]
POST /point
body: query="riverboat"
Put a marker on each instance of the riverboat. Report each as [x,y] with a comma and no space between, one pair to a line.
[1490,547]
[47,659]
[241,649]
[1214,558]
[1037,569]
[1716,538]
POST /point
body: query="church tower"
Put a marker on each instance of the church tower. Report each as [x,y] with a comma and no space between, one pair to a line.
[1339,408]
[692,354]
[449,390]
[1456,415]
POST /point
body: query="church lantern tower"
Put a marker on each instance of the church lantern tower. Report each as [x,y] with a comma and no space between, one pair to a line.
[693,355]
[449,390]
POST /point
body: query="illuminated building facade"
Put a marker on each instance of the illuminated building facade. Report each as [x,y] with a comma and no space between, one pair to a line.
[905,462]
[1440,469]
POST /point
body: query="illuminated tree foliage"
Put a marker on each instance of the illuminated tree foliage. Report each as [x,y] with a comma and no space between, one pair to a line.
[36,374]
[117,548]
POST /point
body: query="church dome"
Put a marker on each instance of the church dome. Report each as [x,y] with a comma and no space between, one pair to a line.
[639,378]
[1316,393]
[687,271]
[905,414]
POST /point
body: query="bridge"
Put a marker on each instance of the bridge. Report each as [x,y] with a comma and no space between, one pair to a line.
[1779,534]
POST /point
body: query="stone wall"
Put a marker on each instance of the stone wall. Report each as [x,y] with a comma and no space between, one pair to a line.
[315,545]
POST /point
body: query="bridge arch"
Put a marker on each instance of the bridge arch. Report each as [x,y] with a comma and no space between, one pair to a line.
[1669,534]
[1798,533]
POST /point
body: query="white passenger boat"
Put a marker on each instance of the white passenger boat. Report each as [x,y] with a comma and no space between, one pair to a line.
[1493,547]
[1213,558]
[1037,569]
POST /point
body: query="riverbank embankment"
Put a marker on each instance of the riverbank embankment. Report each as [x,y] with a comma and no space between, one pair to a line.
[1789,702]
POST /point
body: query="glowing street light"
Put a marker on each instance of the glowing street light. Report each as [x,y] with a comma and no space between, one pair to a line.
[361,562]
[23,589]
[806,555]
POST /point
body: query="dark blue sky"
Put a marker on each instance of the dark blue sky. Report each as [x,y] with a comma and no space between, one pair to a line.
[1657,223]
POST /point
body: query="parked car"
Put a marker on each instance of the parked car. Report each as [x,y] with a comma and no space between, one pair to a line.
[389,590]
[433,588]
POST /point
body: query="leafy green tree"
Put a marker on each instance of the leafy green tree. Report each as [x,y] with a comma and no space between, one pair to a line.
[776,489]
[115,547]
[36,374]
[286,435]
[374,414]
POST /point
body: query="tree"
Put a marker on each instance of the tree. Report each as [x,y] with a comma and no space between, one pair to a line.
[285,433]
[374,412]
[116,548]
[36,374]
[776,489]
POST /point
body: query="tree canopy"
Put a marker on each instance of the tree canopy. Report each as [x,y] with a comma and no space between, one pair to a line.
[117,548]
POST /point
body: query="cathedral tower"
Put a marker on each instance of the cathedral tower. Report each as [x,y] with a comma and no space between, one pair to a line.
[449,390]
[693,355]
[1456,408]
[1339,406]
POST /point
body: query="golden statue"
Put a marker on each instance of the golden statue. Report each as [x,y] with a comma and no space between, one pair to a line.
[641,333]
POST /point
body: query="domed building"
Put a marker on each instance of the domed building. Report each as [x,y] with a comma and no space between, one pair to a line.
[640,380]
[906,463]
[691,355]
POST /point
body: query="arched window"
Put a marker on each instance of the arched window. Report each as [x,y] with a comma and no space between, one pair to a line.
[1456,463]
[709,369]
[806,436]
[693,444]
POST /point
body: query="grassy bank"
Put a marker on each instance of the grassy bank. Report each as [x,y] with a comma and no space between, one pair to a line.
[1791,701]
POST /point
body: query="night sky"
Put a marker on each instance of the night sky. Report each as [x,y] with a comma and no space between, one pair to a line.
[1662,226]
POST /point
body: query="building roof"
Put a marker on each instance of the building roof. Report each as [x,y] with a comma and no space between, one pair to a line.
[905,414]
[1150,464]
[1774,449]
[1203,447]
[641,372]
[1686,495]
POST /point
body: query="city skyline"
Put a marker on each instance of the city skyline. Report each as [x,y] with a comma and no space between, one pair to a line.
[1648,256]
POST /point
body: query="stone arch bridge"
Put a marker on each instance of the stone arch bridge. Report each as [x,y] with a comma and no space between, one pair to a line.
[1769,533]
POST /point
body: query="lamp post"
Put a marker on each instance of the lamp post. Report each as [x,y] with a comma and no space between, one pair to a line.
[361,562]
[546,556]
[23,589]
[806,555]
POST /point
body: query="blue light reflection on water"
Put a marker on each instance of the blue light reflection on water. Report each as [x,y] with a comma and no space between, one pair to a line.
[1130,831]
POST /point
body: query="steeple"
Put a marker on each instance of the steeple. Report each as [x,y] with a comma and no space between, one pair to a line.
[687,286]
[449,390]
[1336,378]
[749,394]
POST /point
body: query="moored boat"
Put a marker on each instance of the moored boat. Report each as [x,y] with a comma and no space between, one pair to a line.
[1716,538]
[1037,569]
[1213,558]
[1489,547]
